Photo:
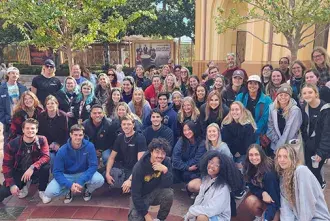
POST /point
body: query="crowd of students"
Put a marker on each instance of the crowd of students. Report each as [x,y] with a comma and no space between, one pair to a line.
[225,136]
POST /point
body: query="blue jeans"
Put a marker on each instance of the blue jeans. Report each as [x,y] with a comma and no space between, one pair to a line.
[54,189]
[105,156]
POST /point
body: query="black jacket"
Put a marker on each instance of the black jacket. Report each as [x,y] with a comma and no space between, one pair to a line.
[65,103]
[229,95]
[213,117]
[86,111]
[142,82]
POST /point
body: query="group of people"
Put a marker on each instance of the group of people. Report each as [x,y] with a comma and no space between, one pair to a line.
[225,136]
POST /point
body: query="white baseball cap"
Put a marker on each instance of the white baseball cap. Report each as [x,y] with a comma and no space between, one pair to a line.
[254,77]
[12,69]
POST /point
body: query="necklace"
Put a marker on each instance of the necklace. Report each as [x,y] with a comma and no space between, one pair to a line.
[28,146]
[129,139]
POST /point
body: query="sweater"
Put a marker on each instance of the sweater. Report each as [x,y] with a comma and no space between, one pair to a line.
[162,132]
[213,117]
[151,95]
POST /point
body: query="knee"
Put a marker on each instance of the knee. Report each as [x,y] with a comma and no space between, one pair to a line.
[194,185]
[53,189]
[97,179]
[202,218]
[45,167]
[168,193]
[253,203]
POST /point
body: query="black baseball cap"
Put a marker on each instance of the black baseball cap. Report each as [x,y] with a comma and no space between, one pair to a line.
[49,62]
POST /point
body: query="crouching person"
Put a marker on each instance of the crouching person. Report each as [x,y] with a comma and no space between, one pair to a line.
[75,168]
[25,158]
[151,183]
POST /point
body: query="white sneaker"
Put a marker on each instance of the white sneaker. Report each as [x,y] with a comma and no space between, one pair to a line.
[45,199]
[23,192]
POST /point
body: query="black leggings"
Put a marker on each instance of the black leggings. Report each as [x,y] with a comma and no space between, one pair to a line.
[315,171]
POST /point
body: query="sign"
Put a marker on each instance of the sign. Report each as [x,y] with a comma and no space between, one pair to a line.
[38,57]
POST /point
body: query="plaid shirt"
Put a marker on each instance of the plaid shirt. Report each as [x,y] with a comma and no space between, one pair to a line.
[13,154]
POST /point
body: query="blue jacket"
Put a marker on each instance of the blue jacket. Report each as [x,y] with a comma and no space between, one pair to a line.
[73,161]
[260,119]
[5,107]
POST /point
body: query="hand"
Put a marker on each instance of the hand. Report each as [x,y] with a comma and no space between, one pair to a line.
[76,188]
[27,175]
[148,217]
[127,186]
[239,166]
[237,154]
[192,168]
[266,198]
[98,153]
[14,190]
[327,84]
[159,167]
[54,146]
[69,114]
[318,158]
[109,179]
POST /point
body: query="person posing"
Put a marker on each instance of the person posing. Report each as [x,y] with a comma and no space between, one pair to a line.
[257,103]
[284,119]
[219,83]
[188,111]
[28,106]
[10,93]
[140,79]
[219,178]
[192,85]
[113,78]
[151,93]
[76,74]
[122,110]
[276,79]
[84,102]
[128,148]
[234,88]
[128,88]
[266,71]
[185,73]
[301,197]
[312,77]
[177,73]
[120,73]
[213,111]
[186,154]
[139,105]
[315,129]
[26,158]
[101,132]
[177,100]
[296,72]
[151,183]
[284,64]
[89,75]
[67,95]
[74,169]
[231,67]
[112,102]
[200,95]
[53,120]
[103,88]
[214,141]
[170,85]
[321,63]
[46,83]
[261,177]
[213,72]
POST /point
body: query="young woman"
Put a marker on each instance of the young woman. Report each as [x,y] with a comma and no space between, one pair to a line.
[266,71]
[139,106]
[103,88]
[84,102]
[122,110]
[188,111]
[200,95]
[276,79]
[321,63]
[170,84]
[301,196]
[313,77]
[164,72]
[28,106]
[213,111]
[112,102]
[128,88]
[53,120]
[177,100]
[120,73]
[67,95]
[89,75]
[261,177]
[192,85]
[113,78]
[185,73]
[219,83]
[151,93]
[214,141]
[219,178]
[177,73]
[186,155]
[237,130]
[140,80]
[297,71]
[284,118]
[315,129]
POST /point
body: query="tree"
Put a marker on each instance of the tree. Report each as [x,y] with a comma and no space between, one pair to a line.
[295,19]
[66,25]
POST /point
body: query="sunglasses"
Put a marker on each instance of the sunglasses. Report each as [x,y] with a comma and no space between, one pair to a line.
[49,66]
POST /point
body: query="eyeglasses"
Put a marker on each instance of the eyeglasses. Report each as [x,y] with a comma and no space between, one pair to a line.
[213,164]
[317,56]
[49,66]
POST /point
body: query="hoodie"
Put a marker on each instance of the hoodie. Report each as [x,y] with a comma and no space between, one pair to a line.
[72,161]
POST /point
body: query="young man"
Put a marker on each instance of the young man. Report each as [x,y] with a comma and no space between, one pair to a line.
[234,88]
[151,183]
[213,72]
[130,147]
[101,132]
[25,158]
[74,168]
[76,74]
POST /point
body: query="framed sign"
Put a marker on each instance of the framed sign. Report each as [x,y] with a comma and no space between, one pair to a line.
[38,57]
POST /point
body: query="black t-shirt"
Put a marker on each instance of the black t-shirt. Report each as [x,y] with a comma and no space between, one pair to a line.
[46,86]
[313,114]
[251,105]
[26,160]
[128,148]
[280,120]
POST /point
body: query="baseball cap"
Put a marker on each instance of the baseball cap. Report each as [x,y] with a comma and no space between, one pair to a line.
[12,69]
[49,62]
[254,77]
[238,73]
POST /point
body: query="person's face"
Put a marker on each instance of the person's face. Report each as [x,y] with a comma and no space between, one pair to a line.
[311,78]
[115,96]
[254,157]
[253,87]
[127,87]
[177,73]
[184,73]
[187,107]
[30,130]
[139,72]
[156,82]
[283,159]
[51,105]
[121,111]
[193,83]
[156,119]
[212,133]
[218,83]
[266,72]
[163,102]
[111,75]
[127,126]
[176,99]
[213,73]
[170,81]
[76,72]
[187,132]
[284,64]
[77,137]
[308,94]
[165,72]
[213,167]
[235,111]
[157,155]
[97,115]
[318,58]
[297,70]
[103,81]
[200,92]
[237,81]
[214,102]
[48,69]
[231,61]
[28,101]
[283,99]
[86,90]
[138,96]
[276,78]
[70,85]
[13,76]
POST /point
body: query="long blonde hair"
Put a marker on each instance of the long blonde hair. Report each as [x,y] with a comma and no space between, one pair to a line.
[246,117]
[288,183]
[138,106]
[195,112]
[20,104]
[287,109]
[175,84]
[208,143]
[128,111]
[324,52]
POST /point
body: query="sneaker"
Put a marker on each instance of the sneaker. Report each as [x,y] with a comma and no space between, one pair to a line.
[324,185]
[257,218]
[87,195]
[45,199]
[240,195]
[23,192]
[68,197]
